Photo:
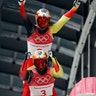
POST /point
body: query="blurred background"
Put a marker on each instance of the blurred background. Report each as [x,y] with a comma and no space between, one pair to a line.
[13,43]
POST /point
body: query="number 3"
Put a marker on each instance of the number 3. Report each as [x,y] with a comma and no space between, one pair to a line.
[43,92]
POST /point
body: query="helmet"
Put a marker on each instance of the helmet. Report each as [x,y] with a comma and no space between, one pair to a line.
[40,54]
[42,12]
[40,59]
[42,18]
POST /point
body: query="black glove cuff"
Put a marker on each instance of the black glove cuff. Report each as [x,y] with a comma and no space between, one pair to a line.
[29,75]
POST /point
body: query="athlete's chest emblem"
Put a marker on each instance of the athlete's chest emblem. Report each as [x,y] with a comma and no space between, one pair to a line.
[41,38]
[42,80]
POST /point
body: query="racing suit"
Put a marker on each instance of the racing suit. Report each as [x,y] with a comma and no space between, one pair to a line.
[32,81]
[43,41]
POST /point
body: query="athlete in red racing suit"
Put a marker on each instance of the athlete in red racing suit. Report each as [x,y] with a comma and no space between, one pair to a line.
[40,35]
[40,76]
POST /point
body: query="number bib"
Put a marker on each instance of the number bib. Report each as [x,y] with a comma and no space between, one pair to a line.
[41,90]
[33,47]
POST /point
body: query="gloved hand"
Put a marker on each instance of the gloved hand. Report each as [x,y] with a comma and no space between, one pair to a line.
[50,53]
[21,1]
[27,55]
[54,62]
[76,3]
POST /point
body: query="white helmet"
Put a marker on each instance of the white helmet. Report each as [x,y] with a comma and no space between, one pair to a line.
[42,12]
[40,59]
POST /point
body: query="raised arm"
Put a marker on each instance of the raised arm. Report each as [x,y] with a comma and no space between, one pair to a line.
[65,18]
[57,68]
[27,22]
[27,65]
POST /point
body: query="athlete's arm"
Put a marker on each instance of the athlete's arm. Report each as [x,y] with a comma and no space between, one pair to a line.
[57,70]
[27,22]
[64,19]
[26,66]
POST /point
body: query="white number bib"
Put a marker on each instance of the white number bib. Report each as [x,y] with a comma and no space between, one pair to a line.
[41,90]
[33,47]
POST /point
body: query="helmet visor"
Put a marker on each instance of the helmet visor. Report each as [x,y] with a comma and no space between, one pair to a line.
[43,21]
[40,63]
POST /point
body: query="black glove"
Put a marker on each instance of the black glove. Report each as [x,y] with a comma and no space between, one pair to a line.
[76,2]
[21,1]
[29,75]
